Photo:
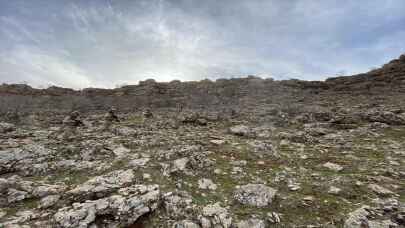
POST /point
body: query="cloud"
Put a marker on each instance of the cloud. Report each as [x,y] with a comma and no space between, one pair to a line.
[105,43]
[15,30]
[34,66]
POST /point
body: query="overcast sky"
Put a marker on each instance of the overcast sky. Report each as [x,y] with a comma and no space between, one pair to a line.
[105,43]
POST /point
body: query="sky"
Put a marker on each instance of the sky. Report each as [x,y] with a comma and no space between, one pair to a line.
[109,43]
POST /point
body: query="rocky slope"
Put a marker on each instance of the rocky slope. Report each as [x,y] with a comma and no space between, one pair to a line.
[232,153]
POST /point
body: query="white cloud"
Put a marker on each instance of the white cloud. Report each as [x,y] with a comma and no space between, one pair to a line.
[42,69]
[104,43]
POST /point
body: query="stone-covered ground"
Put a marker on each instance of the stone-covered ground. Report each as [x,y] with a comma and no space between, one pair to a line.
[333,168]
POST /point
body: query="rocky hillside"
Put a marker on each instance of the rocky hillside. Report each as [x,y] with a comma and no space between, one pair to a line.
[243,153]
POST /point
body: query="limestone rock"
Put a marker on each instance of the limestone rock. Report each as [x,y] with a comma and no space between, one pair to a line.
[124,208]
[185,224]
[214,215]
[358,218]
[240,130]
[251,223]
[333,167]
[257,195]
[102,185]
[206,184]
[380,190]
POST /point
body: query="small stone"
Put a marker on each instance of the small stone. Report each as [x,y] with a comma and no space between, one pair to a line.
[138,162]
[217,142]
[333,166]
[49,201]
[180,164]
[251,223]
[121,151]
[284,142]
[2,213]
[239,163]
[380,190]
[334,190]
[308,198]
[273,217]
[146,176]
[240,130]
[206,184]
[261,163]
[303,156]
[237,169]
[218,171]
[185,224]
[294,186]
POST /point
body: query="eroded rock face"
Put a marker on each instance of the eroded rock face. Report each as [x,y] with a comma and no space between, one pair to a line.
[257,195]
[124,208]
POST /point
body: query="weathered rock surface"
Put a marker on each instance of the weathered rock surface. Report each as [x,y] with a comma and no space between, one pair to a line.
[251,223]
[100,186]
[125,208]
[215,216]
